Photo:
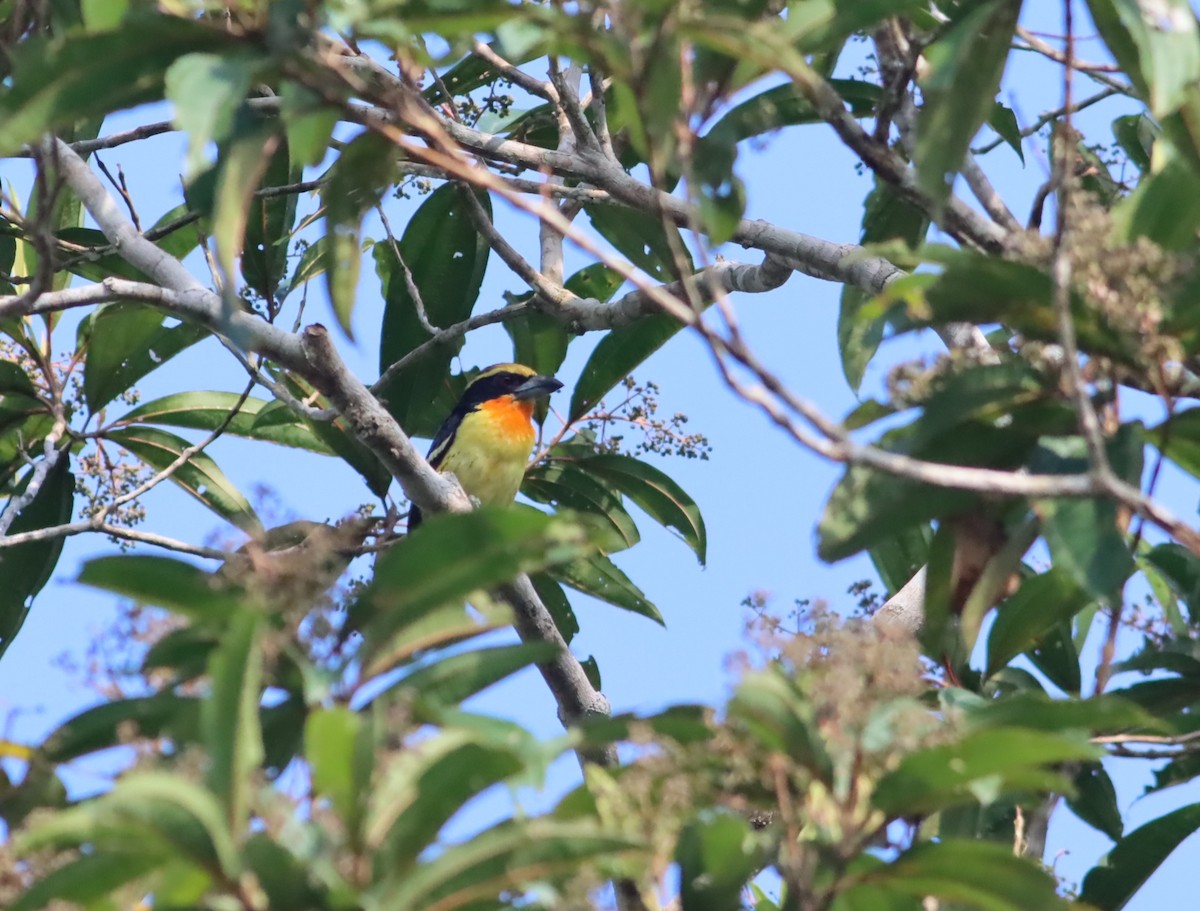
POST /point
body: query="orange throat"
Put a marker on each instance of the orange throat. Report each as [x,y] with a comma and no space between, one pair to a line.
[510,417]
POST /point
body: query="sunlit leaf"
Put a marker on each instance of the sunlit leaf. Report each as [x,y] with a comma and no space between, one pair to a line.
[125,342]
[599,577]
[199,475]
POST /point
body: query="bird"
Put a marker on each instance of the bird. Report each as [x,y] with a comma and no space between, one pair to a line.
[488,436]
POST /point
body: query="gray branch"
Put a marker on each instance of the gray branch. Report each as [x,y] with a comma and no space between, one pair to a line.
[313,356]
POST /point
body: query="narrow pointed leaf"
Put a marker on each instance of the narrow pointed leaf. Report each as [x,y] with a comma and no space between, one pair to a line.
[966,62]
[501,859]
[340,757]
[256,418]
[199,475]
[126,342]
[89,878]
[975,874]
[447,258]
[657,494]
[1113,884]
[454,555]
[599,577]
[357,181]
[230,718]
[566,486]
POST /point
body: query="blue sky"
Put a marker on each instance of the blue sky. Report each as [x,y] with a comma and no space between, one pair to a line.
[761,495]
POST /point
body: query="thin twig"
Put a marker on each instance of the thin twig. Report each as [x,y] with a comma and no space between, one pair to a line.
[41,471]
[1051,116]
[413,291]
[122,190]
[515,75]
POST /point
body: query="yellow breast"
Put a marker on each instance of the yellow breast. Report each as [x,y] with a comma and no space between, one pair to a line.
[490,449]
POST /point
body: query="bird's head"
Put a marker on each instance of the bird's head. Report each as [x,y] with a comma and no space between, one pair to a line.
[515,381]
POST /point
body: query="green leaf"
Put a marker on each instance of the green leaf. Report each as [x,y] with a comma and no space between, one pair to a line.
[199,475]
[1095,800]
[1039,606]
[1162,208]
[977,874]
[1083,535]
[102,15]
[125,342]
[1004,122]
[73,76]
[822,24]
[1178,438]
[87,879]
[229,716]
[655,248]
[1033,709]
[163,582]
[773,709]
[966,65]
[356,183]
[617,355]
[785,105]
[419,795]
[255,419]
[309,123]
[207,90]
[599,577]
[983,766]
[555,601]
[1158,48]
[1136,134]
[539,340]
[282,875]
[885,217]
[269,227]
[110,724]
[567,486]
[26,568]
[1084,541]
[339,749]
[311,264]
[145,808]
[447,258]
[453,680]
[335,435]
[898,558]
[1111,886]
[90,262]
[501,859]
[1057,657]
[981,289]
[1181,569]
[655,493]
[451,556]
[867,506]
[240,169]
[717,856]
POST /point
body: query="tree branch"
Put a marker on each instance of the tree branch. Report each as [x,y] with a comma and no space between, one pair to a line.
[313,356]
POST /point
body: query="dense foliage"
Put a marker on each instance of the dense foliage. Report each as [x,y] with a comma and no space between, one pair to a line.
[300,742]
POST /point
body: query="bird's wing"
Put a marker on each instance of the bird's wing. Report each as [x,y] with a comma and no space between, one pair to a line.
[445,436]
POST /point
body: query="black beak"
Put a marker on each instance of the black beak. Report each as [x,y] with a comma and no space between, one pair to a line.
[536,386]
